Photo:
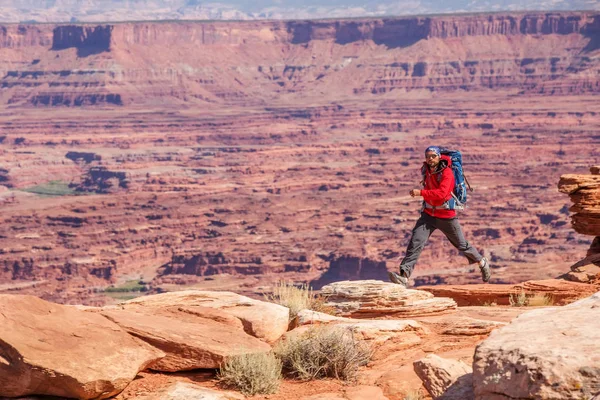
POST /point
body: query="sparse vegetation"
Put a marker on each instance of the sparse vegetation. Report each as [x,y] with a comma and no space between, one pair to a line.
[255,373]
[129,286]
[521,299]
[297,298]
[540,300]
[489,304]
[52,189]
[323,352]
[414,395]
[127,291]
[518,299]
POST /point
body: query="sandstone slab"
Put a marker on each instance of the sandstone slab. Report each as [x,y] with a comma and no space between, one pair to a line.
[267,321]
[49,349]
[371,298]
[203,344]
[439,375]
[544,353]
[188,391]
[561,291]
[376,331]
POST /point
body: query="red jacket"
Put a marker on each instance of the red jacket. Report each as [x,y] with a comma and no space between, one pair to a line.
[438,190]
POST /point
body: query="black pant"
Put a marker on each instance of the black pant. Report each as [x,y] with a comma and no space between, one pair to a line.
[425,226]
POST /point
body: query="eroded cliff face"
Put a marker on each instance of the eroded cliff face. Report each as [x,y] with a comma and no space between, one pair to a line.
[258,62]
[86,39]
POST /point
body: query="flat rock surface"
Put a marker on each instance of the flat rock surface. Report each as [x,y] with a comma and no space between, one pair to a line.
[188,345]
[371,298]
[560,291]
[261,319]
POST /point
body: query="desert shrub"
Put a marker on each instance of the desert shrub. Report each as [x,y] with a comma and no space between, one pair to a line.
[521,299]
[518,299]
[297,298]
[254,373]
[323,352]
[539,300]
[414,395]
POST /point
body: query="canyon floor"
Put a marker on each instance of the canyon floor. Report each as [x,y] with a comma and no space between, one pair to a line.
[328,202]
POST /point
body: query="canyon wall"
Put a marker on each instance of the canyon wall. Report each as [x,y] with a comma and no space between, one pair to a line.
[190,63]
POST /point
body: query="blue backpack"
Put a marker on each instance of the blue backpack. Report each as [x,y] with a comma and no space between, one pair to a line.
[459,194]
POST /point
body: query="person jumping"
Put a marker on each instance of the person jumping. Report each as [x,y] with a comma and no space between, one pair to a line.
[438,213]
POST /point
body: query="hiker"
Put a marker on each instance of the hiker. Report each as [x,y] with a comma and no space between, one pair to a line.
[438,212]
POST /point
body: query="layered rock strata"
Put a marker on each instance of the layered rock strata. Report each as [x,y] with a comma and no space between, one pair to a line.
[584,191]
[371,298]
[97,65]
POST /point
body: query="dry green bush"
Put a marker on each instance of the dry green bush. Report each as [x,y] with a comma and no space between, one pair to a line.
[255,373]
[323,352]
[297,298]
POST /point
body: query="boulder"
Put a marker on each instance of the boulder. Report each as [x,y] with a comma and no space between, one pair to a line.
[204,343]
[371,298]
[444,378]
[548,353]
[266,321]
[55,350]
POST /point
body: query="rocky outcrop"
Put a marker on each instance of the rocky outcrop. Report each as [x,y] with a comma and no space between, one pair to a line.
[54,350]
[188,345]
[445,379]
[545,353]
[584,191]
[558,291]
[266,321]
[366,299]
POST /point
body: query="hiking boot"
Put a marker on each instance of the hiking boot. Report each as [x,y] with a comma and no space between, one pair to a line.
[398,279]
[484,267]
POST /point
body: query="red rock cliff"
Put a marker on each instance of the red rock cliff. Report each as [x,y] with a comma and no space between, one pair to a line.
[232,62]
